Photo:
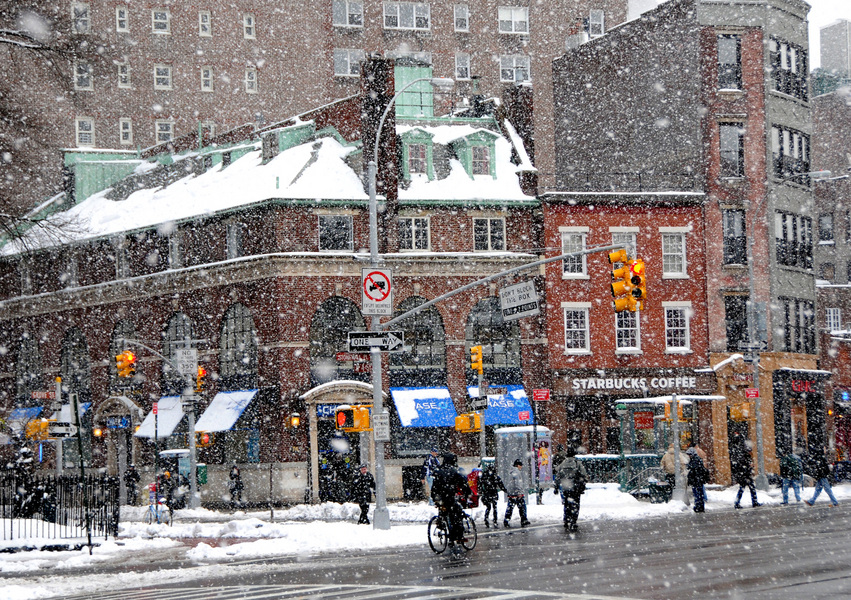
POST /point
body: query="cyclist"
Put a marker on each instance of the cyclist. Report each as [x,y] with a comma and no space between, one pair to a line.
[448,485]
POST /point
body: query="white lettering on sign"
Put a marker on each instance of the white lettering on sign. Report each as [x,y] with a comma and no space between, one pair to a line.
[634,383]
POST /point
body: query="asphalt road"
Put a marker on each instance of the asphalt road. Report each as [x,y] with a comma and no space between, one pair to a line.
[762,553]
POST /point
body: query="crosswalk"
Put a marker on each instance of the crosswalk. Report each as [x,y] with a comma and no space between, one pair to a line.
[329,592]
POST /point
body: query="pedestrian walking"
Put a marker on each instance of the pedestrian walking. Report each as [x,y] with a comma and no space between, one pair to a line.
[821,473]
[570,478]
[131,484]
[791,472]
[363,484]
[235,487]
[516,492]
[698,476]
[558,457]
[741,466]
[490,484]
[667,463]
[430,466]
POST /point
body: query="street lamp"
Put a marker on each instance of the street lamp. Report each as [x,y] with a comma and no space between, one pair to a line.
[620,410]
[381,518]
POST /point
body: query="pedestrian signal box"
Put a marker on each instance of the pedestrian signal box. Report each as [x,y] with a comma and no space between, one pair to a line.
[352,418]
[468,423]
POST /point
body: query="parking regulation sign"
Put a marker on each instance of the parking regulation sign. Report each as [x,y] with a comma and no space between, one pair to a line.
[376,292]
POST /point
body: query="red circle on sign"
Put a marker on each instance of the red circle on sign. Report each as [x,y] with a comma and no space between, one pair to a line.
[376,286]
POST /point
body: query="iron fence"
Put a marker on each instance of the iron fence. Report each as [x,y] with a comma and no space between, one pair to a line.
[35,510]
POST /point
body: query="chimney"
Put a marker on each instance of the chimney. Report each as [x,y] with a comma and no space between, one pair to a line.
[518,101]
[377,89]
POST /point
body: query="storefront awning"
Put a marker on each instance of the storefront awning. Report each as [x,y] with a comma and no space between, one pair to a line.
[19,417]
[424,407]
[169,414]
[224,410]
[505,409]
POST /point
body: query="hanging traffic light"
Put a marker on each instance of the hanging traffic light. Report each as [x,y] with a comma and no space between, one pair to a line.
[476,359]
[468,423]
[638,278]
[352,418]
[199,380]
[204,438]
[126,364]
[621,281]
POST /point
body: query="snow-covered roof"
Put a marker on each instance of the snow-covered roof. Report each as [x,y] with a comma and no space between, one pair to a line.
[314,171]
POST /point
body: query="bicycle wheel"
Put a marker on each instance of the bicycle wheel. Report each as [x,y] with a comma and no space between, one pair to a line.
[438,534]
[165,516]
[470,535]
[149,516]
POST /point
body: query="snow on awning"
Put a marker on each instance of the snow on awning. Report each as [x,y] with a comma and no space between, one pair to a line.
[424,406]
[224,410]
[21,416]
[505,409]
[169,414]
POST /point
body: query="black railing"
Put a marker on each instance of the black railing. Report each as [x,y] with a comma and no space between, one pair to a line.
[594,181]
[37,510]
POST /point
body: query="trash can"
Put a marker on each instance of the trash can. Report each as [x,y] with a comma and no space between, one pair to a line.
[201,473]
[660,492]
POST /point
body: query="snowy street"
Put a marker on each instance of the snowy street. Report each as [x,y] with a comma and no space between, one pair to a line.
[313,545]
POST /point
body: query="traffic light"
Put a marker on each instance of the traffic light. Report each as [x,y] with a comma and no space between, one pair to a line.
[622,281]
[204,438]
[468,422]
[352,418]
[126,364]
[682,413]
[476,359]
[199,380]
[638,278]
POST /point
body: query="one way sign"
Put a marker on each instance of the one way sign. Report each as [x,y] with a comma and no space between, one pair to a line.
[385,341]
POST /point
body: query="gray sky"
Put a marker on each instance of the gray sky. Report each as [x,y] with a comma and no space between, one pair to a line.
[824,12]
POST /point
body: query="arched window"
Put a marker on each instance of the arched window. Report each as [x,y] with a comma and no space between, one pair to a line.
[500,342]
[423,361]
[238,350]
[329,329]
[28,375]
[123,330]
[75,365]
[177,335]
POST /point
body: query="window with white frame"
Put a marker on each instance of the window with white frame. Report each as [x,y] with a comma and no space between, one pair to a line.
[205,23]
[596,23]
[414,233]
[488,233]
[462,17]
[347,62]
[83,76]
[731,144]
[573,240]
[677,331]
[417,158]
[122,19]
[481,160]
[249,27]
[208,130]
[407,15]
[81,18]
[125,132]
[161,21]
[335,232]
[234,240]
[462,65]
[577,332]
[251,80]
[514,68]
[123,75]
[673,254]
[833,319]
[164,131]
[347,13]
[162,77]
[626,237]
[85,131]
[627,333]
[206,79]
[513,19]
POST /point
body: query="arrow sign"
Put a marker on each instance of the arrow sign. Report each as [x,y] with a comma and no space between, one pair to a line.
[57,429]
[385,341]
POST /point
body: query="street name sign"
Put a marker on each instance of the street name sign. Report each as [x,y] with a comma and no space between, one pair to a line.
[751,393]
[376,292]
[518,301]
[385,341]
[58,429]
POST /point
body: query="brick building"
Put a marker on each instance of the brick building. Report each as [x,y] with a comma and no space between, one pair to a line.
[694,97]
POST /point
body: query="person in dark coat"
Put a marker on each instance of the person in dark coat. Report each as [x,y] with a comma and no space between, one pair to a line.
[363,484]
[821,473]
[236,487]
[449,483]
[490,484]
[131,483]
[558,457]
[430,466]
[698,476]
[515,490]
[791,472]
[570,478]
[742,469]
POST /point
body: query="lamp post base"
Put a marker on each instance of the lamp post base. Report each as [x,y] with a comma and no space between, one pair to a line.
[381,518]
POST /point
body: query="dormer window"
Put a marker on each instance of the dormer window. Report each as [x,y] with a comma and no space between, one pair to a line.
[481,160]
[417,162]
[476,152]
[417,157]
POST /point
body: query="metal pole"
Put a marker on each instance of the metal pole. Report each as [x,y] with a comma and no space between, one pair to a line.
[194,498]
[482,438]
[59,458]
[622,472]
[679,487]
[75,406]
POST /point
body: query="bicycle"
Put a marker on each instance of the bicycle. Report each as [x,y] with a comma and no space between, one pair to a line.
[438,533]
[158,512]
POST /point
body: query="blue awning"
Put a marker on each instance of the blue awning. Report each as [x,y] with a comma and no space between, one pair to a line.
[424,407]
[505,409]
[225,410]
[19,417]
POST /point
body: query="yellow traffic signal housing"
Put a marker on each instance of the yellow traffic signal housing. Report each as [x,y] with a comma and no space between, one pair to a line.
[618,256]
[126,364]
[352,418]
[680,416]
[476,359]
[37,430]
[199,380]
[468,422]
[638,278]
[204,438]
